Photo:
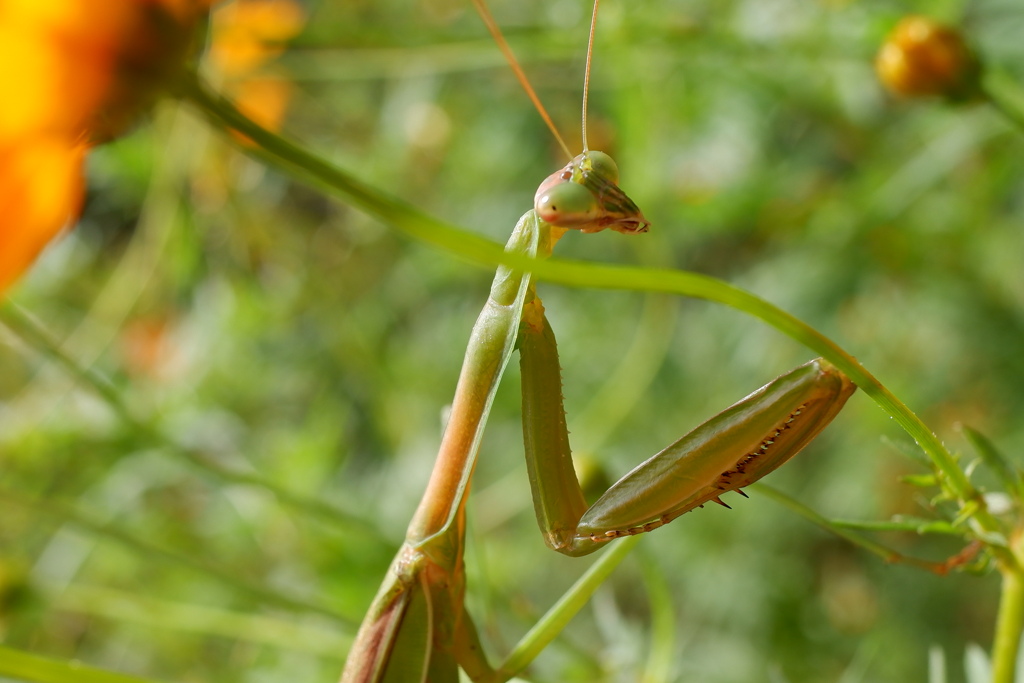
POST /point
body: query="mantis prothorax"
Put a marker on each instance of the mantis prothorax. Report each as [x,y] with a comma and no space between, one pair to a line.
[417,628]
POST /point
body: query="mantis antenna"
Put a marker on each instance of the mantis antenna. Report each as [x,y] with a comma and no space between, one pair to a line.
[586,73]
[492,26]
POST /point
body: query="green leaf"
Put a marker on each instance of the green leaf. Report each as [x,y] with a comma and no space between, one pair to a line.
[1004,468]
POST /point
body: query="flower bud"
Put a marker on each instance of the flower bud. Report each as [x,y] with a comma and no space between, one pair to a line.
[921,57]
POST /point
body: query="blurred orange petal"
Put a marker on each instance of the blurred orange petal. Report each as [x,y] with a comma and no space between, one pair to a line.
[147,349]
[77,71]
[41,188]
[54,76]
[264,100]
[247,33]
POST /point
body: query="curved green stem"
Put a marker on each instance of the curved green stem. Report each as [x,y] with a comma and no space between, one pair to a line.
[841,529]
[663,643]
[902,524]
[309,167]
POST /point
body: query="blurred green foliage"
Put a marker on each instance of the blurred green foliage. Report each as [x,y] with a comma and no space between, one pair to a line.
[251,324]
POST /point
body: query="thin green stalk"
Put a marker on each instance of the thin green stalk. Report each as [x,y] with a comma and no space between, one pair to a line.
[662,653]
[910,526]
[561,613]
[887,554]
[1009,622]
[309,167]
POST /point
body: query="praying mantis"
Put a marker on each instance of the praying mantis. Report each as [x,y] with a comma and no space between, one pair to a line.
[417,628]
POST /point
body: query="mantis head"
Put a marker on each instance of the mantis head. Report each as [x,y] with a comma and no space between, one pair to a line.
[585,196]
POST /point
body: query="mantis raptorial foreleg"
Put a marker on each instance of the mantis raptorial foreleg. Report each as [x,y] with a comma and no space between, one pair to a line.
[731,450]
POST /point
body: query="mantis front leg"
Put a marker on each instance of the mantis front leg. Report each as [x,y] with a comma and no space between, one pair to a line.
[731,450]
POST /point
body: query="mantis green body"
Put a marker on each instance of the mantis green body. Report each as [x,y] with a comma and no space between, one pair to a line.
[417,628]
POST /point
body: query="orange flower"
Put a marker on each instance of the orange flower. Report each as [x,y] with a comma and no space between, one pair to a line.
[77,72]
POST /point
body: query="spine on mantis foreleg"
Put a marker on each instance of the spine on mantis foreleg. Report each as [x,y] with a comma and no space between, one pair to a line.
[733,449]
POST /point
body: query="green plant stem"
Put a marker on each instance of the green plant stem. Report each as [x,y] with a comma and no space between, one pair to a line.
[662,652]
[305,165]
[887,554]
[561,613]
[911,526]
[1010,620]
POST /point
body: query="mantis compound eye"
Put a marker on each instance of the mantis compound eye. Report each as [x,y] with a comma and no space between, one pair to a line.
[566,204]
[604,165]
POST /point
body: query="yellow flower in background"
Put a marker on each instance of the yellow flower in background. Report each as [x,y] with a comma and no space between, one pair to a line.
[76,73]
